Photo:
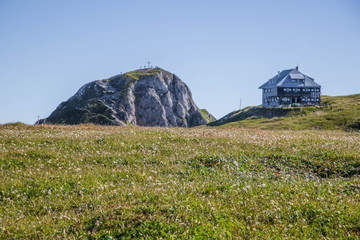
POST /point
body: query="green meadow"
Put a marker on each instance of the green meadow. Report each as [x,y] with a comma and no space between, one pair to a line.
[101,182]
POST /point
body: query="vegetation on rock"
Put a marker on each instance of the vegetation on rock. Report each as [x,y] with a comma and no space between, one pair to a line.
[141,73]
[208,116]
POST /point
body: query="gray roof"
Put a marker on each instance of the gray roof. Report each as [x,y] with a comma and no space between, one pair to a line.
[285,79]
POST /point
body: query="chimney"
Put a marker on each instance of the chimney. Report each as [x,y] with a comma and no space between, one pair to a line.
[297,68]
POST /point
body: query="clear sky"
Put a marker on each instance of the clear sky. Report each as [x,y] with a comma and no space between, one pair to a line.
[223,50]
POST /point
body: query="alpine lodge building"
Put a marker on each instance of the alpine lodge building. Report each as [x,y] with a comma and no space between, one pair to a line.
[290,88]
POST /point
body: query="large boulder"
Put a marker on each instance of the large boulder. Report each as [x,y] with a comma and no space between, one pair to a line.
[145,97]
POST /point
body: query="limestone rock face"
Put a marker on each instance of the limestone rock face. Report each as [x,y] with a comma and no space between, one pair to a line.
[146,97]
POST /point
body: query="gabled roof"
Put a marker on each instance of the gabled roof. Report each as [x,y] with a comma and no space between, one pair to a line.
[286,77]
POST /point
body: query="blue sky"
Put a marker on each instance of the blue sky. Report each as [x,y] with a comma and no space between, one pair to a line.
[223,50]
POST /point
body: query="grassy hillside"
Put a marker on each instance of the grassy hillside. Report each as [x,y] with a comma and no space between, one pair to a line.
[337,113]
[93,182]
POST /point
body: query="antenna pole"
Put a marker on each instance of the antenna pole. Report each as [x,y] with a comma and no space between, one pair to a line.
[240,104]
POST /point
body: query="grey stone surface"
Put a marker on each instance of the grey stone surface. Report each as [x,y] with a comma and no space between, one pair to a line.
[146,97]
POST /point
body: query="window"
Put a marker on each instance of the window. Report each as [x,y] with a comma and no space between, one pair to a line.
[318,89]
[312,89]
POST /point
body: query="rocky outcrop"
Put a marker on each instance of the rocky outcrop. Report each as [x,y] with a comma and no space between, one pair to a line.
[145,97]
